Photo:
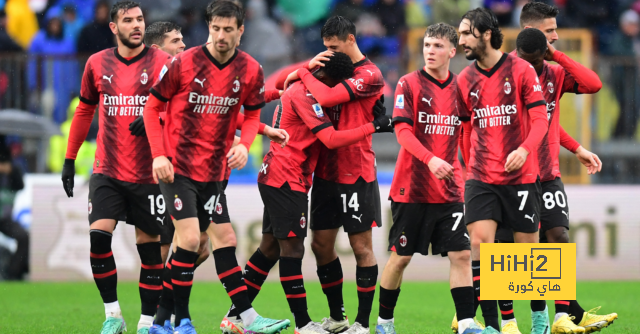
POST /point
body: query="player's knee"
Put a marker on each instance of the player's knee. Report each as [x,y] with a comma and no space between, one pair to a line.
[460,258]
[399,263]
[189,242]
[319,247]
[270,249]
[557,235]
[292,248]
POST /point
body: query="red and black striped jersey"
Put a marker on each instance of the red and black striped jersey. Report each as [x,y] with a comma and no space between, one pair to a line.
[302,117]
[431,109]
[346,164]
[205,98]
[503,103]
[120,88]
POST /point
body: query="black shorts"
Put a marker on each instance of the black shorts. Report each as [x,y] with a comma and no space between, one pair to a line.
[141,205]
[168,230]
[416,225]
[206,201]
[285,211]
[356,206]
[513,206]
[554,211]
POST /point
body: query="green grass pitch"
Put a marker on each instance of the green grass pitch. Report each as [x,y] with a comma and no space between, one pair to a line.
[423,307]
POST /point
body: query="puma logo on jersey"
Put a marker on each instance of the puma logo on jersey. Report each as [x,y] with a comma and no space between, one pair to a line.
[356,217]
[400,83]
[263,169]
[428,101]
[566,214]
[107,78]
[530,218]
[200,82]
[370,72]
[160,220]
[475,94]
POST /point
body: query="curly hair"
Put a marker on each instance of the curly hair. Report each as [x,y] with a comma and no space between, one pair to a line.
[531,41]
[483,20]
[444,31]
[338,67]
[535,12]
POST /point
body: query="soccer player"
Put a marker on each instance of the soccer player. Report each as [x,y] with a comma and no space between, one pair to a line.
[504,101]
[427,191]
[345,187]
[205,87]
[285,180]
[118,81]
[568,76]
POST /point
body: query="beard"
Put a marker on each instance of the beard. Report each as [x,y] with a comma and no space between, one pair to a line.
[126,42]
[478,52]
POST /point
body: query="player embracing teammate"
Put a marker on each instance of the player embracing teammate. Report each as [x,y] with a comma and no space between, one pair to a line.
[427,192]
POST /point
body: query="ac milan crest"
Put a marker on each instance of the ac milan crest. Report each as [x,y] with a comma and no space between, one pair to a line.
[403,241]
[90,207]
[303,222]
[219,208]
[178,204]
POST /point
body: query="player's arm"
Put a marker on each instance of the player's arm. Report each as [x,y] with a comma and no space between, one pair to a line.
[586,157]
[325,95]
[465,118]
[279,136]
[82,118]
[272,95]
[537,110]
[585,81]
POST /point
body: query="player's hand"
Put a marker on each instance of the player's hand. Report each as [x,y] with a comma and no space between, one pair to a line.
[589,160]
[279,136]
[440,168]
[293,76]
[238,157]
[317,60]
[280,92]
[548,56]
[236,141]
[162,170]
[516,159]
[68,174]
[383,124]
[379,108]
[137,127]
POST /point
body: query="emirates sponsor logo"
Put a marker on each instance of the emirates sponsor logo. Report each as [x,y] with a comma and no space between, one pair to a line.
[124,105]
[439,124]
[491,116]
[210,104]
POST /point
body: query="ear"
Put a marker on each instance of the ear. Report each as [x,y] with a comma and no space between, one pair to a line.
[351,39]
[113,27]
[241,30]
[155,46]
[452,53]
[487,36]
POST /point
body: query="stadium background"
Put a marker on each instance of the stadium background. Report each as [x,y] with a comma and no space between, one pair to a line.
[40,76]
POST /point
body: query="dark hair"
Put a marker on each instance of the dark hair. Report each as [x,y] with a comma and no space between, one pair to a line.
[225,8]
[531,40]
[535,12]
[338,67]
[122,5]
[154,34]
[483,20]
[443,30]
[338,26]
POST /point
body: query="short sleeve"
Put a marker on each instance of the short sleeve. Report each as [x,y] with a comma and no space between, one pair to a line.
[168,81]
[531,88]
[311,113]
[255,100]
[365,83]
[89,93]
[403,103]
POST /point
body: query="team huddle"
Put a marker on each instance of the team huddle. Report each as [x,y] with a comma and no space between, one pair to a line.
[167,145]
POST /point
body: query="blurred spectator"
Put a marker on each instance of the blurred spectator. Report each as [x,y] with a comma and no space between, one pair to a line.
[418,12]
[22,24]
[51,68]
[580,13]
[72,24]
[194,27]
[517,10]
[384,33]
[450,11]
[84,9]
[97,36]
[625,77]
[260,36]
[10,182]
[7,44]
[350,9]
[308,17]
[502,9]
[392,17]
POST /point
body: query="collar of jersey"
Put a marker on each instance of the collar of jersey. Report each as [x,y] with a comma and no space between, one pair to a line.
[360,63]
[435,81]
[495,68]
[132,60]
[215,62]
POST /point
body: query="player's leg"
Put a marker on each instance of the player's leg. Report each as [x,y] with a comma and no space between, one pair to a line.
[509,323]
[106,205]
[203,250]
[366,275]
[224,242]
[482,231]
[390,291]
